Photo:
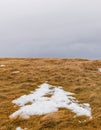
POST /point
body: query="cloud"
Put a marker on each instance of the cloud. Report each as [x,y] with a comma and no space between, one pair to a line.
[60,28]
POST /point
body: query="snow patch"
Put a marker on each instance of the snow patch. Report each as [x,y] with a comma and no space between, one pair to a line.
[40,104]
[19,128]
[15,72]
[2,65]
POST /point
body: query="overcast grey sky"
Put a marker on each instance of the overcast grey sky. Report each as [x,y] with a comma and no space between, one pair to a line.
[50,28]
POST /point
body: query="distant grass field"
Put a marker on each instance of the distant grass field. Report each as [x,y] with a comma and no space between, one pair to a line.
[79,76]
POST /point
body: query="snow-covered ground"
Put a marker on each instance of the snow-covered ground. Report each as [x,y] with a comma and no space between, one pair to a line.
[38,103]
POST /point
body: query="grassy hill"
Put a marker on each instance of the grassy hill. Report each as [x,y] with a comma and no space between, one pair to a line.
[80,76]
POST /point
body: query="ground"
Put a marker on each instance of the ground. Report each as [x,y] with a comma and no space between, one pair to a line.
[80,76]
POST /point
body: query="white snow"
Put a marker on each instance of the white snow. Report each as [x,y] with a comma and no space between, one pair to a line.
[15,72]
[42,104]
[99,69]
[2,65]
[19,128]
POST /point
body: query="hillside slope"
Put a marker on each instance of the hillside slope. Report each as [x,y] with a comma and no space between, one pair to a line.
[21,76]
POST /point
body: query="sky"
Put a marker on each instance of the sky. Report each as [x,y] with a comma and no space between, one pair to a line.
[50,28]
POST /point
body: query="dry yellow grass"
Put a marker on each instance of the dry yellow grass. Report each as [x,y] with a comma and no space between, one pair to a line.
[75,75]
